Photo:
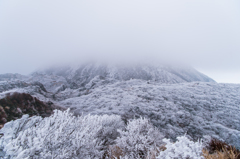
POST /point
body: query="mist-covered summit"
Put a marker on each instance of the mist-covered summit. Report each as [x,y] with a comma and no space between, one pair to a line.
[79,76]
[160,73]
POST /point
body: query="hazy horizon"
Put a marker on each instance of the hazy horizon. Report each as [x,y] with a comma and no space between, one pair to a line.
[203,34]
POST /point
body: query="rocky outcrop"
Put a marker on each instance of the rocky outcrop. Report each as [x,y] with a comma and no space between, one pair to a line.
[14,106]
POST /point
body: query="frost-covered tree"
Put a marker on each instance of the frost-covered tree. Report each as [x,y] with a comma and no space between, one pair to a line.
[139,137]
[61,135]
[183,148]
[64,136]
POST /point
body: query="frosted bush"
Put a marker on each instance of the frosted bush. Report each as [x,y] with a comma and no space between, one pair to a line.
[61,135]
[12,129]
[139,137]
[64,136]
[181,149]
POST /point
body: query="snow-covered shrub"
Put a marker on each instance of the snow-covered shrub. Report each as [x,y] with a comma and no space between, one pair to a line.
[139,137]
[12,129]
[181,149]
[61,135]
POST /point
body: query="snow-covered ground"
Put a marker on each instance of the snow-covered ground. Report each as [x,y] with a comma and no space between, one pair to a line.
[194,108]
[177,101]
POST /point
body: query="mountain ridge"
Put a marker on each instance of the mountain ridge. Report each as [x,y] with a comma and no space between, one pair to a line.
[177,100]
[79,76]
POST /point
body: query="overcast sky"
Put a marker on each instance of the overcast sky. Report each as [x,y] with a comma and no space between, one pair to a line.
[201,33]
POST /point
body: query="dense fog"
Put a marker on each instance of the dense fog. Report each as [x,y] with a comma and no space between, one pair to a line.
[204,34]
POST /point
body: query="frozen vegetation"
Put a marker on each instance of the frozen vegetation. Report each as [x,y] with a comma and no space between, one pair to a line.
[171,102]
[196,108]
[63,135]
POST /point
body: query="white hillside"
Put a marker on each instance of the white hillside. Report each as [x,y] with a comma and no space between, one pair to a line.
[176,100]
[194,108]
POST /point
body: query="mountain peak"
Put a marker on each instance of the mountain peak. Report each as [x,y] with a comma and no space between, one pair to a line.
[155,72]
